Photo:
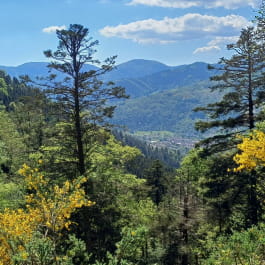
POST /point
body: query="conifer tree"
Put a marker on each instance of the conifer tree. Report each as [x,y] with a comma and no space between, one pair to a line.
[156,180]
[241,82]
[79,88]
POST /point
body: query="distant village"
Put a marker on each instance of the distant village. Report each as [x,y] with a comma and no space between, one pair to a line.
[171,142]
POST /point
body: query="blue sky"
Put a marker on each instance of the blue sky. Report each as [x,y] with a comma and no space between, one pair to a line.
[173,32]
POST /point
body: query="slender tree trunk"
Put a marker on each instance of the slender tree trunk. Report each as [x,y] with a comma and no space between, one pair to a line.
[80,148]
[78,128]
[184,193]
[250,96]
[254,206]
[185,233]
[252,197]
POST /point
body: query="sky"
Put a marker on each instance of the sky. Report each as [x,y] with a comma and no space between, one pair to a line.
[174,32]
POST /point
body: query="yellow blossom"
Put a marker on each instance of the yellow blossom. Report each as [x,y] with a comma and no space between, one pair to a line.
[252,151]
[48,206]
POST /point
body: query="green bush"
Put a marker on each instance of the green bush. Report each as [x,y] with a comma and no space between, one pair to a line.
[241,248]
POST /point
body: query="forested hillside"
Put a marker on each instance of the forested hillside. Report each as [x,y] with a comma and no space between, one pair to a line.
[170,110]
[75,190]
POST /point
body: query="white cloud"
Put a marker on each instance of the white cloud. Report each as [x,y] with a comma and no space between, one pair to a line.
[52,29]
[223,40]
[216,44]
[207,49]
[228,4]
[187,27]
[165,3]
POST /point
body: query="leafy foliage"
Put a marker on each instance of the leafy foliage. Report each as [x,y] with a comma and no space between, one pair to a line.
[244,247]
[12,151]
[48,211]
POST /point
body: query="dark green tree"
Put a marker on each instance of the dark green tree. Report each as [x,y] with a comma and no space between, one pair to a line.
[260,21]
[12,148]
[157,181]
[79,88]
[241,81]
[32,116]
[11,89]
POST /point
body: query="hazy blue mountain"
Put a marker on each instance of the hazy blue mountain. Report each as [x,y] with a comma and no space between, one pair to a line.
[171,78]
[33,69]
[132,69]
[136,69]
[139,77]
[178,76]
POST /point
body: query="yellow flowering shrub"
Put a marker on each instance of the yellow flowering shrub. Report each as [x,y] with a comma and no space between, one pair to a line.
[252,151]
[48,209]
[16,229]
[55,203]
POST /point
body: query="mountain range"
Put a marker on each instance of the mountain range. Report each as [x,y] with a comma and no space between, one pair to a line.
[162,97]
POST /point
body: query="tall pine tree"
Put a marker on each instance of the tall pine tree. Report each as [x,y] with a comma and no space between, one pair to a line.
[79,88]
[241,82]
